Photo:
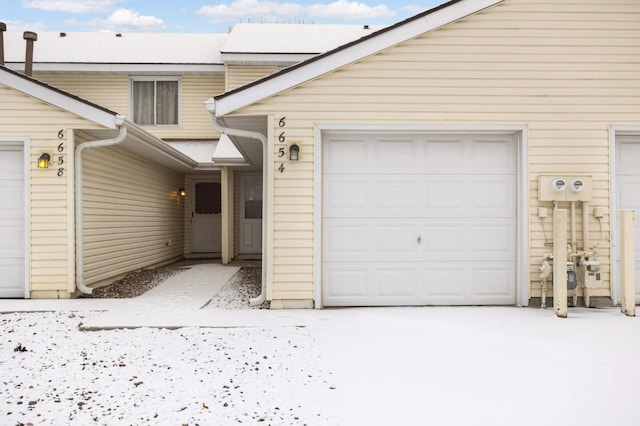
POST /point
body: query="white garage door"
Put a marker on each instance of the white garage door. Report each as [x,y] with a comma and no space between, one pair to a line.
[628,189]
[418,220]
[12,214]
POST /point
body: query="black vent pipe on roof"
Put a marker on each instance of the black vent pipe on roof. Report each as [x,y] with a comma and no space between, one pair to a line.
[28,61]
[3,28]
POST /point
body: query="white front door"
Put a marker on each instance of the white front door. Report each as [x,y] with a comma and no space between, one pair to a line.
[206,217]
[12,220]
[628,190]
[250,215]
[418,219]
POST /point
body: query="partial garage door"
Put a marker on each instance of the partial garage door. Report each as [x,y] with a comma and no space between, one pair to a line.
[628,189]
[12,222]
[415,219]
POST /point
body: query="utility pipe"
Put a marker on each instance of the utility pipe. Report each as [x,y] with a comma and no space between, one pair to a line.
[585,226]
[122,134]
[263,139]
[574,243]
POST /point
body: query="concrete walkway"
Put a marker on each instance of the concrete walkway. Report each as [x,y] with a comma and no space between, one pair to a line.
[175,303]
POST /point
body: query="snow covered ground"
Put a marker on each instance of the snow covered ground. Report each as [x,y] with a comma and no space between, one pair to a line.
[373,366]
[52,373]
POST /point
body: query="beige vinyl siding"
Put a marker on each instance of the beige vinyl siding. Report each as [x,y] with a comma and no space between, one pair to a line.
[112,92]
[566,70]
[236,75]
[52,272]
[108,91]
[133,216]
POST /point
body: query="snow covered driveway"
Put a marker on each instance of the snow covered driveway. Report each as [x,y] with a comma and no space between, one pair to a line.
[378,366]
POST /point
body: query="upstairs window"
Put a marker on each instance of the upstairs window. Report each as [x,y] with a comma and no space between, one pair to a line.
[155,102]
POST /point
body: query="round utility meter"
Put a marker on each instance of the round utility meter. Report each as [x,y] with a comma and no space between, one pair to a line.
[558,185]
[577,185]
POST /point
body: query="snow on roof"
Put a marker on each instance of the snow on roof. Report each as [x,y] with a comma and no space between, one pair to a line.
[108,47]
[292,38]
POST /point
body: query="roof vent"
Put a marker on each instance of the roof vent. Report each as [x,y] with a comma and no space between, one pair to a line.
[30,37]
[63,34]
[366,27]
[118,34]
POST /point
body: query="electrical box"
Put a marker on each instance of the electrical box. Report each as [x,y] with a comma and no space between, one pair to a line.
[564,188]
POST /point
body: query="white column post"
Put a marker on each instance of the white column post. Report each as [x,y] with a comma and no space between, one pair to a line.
[226,176]
[627,263]
[560,262]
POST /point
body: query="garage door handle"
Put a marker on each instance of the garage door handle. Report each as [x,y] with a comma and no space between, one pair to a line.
[419,240]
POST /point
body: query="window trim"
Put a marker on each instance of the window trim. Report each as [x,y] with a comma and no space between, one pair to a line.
[156,79]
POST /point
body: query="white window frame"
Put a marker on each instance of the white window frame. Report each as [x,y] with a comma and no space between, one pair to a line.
[132,80]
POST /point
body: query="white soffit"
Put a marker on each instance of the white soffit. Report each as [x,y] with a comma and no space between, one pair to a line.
[59,99]
[200,151]
[332,60]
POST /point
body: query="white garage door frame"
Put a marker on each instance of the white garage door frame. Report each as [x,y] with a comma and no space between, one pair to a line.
[521,135]
[614,133]
[24,143]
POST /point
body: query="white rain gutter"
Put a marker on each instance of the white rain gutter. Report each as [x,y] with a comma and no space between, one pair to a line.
[122,134]
[211,107]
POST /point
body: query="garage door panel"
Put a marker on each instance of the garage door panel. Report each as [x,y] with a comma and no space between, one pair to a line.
[12,220]
[443,153]
[346,282]
[346,239]
[492,154]
[628,190]
[470,239]
[628,156]
[419,220]
[493,282]
[444,283]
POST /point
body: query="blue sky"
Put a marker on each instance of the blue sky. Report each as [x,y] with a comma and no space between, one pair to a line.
[198,15]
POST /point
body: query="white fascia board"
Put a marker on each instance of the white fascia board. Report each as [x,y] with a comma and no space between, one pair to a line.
[155,69]
[60,99]
[344,56]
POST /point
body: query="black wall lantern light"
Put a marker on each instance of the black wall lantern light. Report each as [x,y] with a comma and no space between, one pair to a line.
[43,161]
[182,192]
[294,152]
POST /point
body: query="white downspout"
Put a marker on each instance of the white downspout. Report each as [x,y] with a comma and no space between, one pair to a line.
[263,139]
[122,134]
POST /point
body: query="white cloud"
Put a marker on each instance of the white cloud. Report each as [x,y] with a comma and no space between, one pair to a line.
[264,10]
[123,20]
[126,19]
[20,26]
[70,6]
[349,10]
[270,11]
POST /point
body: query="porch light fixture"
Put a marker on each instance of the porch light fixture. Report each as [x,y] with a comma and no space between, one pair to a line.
[182,192]
[294,152]
[43,161]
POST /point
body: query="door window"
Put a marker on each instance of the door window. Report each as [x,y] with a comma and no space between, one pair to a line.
[207,198]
